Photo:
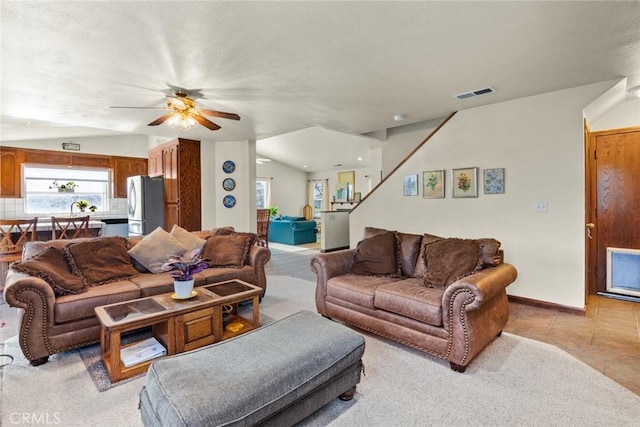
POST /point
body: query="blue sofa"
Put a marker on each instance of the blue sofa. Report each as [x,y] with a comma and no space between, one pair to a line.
[292,230]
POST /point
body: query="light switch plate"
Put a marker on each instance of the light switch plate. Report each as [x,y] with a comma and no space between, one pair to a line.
[542,207]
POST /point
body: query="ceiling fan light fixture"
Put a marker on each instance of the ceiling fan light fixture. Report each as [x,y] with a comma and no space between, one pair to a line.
[182,121]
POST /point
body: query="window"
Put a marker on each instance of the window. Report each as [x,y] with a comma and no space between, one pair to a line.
[318,197]
[42,196]
[262,193]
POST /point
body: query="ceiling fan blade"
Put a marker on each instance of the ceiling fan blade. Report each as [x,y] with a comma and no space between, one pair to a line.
[219,114]
[160,120]
[206,123]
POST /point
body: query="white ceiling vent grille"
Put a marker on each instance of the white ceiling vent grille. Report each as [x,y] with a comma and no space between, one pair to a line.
[474,93]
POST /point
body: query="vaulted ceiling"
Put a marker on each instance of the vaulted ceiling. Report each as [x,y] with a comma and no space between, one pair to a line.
[287,66]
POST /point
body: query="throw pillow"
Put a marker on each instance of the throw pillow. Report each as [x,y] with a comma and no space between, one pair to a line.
[155,248]
[227,250]
[253,237]
[421,268]
[223,231]
[376,256]
[99,261]
[205,234]
[370,232]
[408,251]
[51,266]
[449,260]
[188,240]
[490,249]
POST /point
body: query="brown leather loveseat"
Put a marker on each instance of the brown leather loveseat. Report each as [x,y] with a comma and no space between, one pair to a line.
[56,307]
[446,297]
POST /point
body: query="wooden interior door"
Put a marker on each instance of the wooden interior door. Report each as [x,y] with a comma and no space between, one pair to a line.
[616,195]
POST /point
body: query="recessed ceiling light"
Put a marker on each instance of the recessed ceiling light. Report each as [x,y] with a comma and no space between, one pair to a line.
[635,91]
[400,117]
[304,166]
[359,159]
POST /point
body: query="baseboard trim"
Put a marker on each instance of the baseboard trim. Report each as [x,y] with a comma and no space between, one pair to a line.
[548,305]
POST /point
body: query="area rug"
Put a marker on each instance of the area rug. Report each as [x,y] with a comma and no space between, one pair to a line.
[92,360]
[514,381]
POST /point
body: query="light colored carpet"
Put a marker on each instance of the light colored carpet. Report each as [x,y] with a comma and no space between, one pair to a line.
[514,382]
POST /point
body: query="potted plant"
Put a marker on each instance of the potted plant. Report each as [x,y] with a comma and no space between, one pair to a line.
[93,208]
[68,187]
[82,205]
[273,211]
[182,271]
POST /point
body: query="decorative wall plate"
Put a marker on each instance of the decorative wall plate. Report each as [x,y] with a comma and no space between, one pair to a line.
[228,184]
[229,201]
[228,166]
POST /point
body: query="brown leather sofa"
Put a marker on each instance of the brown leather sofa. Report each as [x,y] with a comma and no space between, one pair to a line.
[51,324]
[454,321]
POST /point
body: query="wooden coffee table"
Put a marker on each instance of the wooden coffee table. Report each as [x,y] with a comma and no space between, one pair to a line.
[179,325]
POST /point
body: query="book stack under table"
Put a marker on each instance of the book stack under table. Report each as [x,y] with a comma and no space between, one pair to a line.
[141,352]
[176,325]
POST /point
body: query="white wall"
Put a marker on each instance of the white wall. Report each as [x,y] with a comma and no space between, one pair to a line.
[402,140]
[125,145]
[243,215]
[288,187]
[624,115]
[539,142]
[210,192]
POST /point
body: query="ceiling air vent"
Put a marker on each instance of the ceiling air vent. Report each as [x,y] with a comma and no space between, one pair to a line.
[474,93]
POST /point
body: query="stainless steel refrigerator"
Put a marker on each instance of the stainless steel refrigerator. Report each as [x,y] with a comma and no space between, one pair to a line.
[145,204]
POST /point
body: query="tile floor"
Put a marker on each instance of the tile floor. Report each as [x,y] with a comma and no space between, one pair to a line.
[607,338]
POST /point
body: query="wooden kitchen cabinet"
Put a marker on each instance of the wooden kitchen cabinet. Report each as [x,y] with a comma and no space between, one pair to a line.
[124,167]
[155,162]
[47,157]
[12,158]
[11,161]
[178,161]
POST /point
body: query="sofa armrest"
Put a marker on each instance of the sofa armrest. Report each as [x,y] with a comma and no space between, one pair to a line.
[326,266]
[37,299]
[483,285]
[474,310]
[258,258]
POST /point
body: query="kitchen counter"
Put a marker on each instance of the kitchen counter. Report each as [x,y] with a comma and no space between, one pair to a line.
[46,225]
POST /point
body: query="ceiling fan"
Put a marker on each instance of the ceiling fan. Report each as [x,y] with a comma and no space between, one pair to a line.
[184,114]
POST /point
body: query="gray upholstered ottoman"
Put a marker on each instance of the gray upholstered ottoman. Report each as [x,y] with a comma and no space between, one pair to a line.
[275,375]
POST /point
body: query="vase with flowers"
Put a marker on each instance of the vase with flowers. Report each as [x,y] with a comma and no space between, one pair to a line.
[182,270]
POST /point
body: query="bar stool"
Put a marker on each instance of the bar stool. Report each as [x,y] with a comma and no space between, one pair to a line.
[69,228]
[263,227]
[14,233]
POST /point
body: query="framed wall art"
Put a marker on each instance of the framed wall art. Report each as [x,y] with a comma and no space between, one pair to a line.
[342,192]
[433,184]
[411,185]
[465,182]
[493,181]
